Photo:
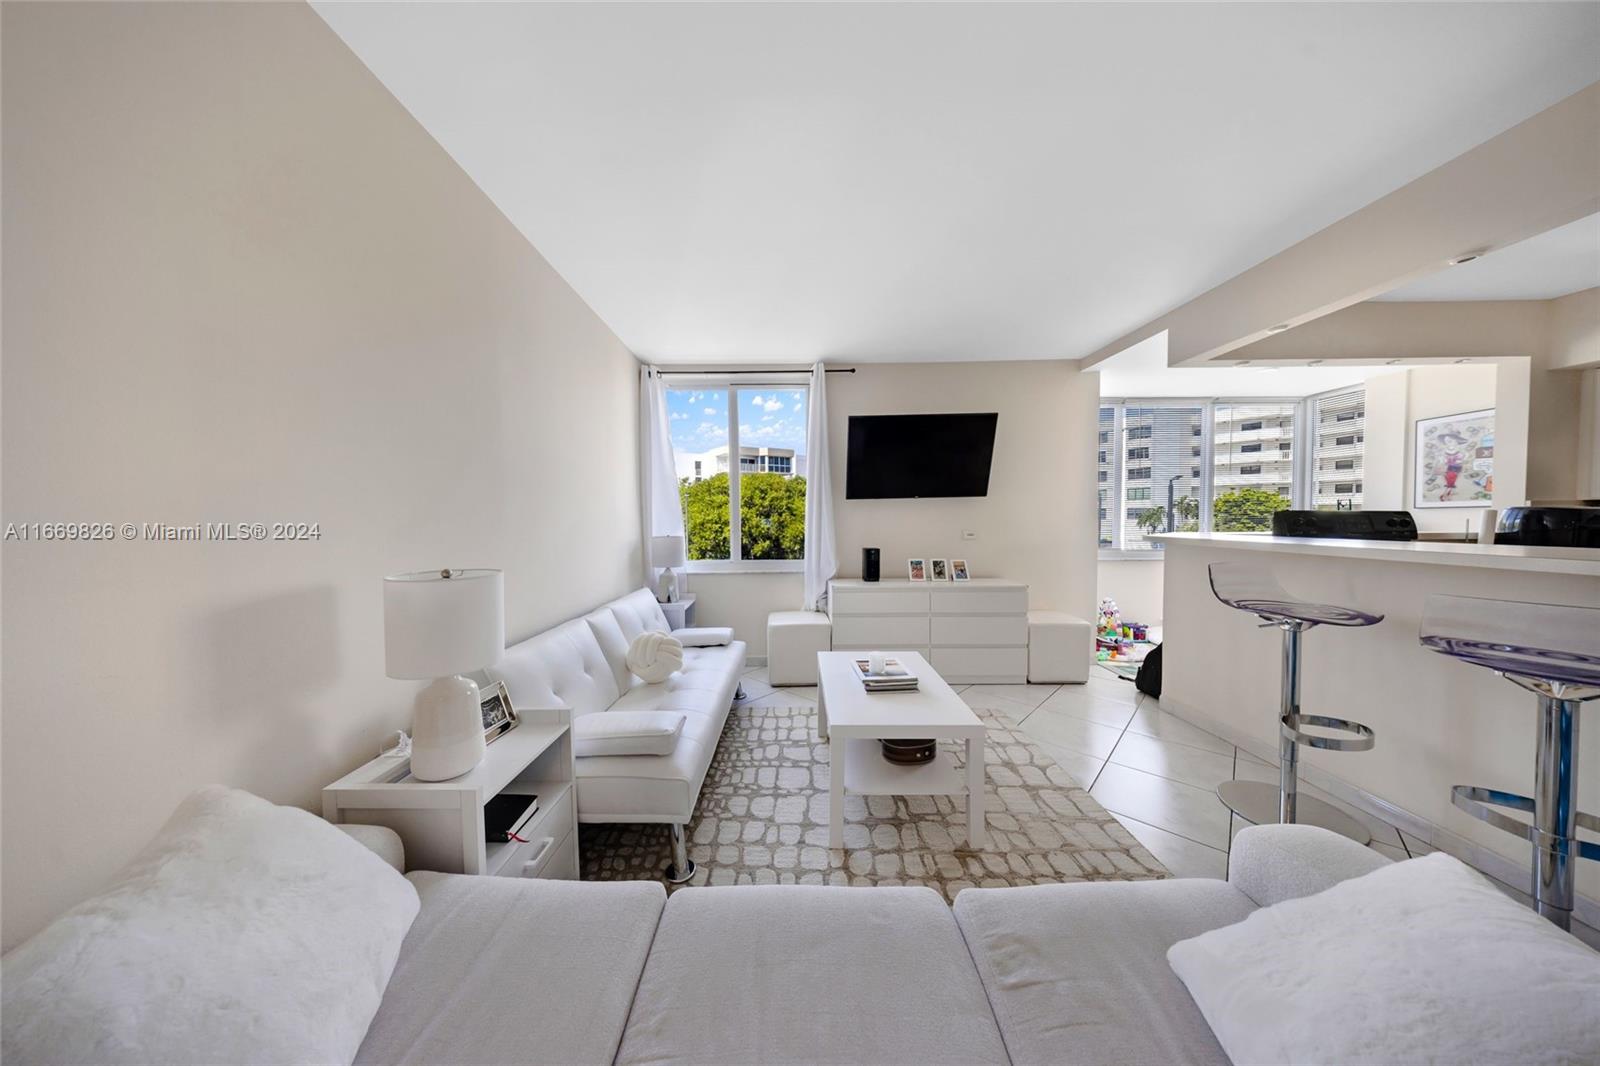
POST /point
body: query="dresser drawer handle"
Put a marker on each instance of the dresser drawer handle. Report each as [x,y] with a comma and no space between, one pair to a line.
[544,846]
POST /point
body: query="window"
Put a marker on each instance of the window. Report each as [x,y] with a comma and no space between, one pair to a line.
[1165,472]
[1338,441]
[757,504]
[1244,494]
[1228,464]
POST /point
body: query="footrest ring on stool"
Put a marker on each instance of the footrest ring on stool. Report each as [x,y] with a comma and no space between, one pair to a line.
[1481,804]
[1289,725]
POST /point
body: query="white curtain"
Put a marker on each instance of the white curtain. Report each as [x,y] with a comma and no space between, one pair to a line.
[658,472]
[821,562]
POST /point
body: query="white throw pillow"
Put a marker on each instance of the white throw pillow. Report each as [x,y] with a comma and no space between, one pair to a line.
[627,733]
[704,636]
[1420,961]
[243,933]
[655,656]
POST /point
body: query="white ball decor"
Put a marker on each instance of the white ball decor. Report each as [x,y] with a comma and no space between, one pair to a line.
[654,657]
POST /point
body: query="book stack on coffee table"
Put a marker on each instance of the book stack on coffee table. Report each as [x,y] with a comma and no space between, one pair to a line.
[894,678]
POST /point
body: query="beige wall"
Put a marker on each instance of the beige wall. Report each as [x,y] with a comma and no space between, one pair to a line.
[243,284]
[1575,330]
[1394,404]
[1136,585]
[1035,525]
[1037,522]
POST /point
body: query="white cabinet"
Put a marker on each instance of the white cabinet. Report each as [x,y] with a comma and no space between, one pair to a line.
[971,631]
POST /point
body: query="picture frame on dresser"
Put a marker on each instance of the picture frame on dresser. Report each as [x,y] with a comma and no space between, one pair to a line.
[938,569]
[917,569]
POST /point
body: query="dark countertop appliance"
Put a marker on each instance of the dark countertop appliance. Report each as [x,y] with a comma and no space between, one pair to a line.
[1345,525]
[1549,527]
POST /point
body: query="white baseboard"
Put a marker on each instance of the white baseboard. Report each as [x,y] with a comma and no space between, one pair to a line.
[752,661]
[1480,858]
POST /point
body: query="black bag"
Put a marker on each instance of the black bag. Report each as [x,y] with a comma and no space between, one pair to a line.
[1148,680]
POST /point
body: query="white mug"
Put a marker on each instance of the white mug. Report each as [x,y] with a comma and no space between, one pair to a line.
[877,662]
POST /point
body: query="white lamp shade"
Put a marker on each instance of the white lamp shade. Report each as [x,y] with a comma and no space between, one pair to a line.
[667,551]
[434,626]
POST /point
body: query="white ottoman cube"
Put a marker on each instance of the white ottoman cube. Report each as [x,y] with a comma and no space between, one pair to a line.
[1060,648]
[793,640]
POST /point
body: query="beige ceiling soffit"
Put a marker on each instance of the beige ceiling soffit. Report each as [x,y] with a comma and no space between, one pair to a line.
[1540,174]
[1432,330]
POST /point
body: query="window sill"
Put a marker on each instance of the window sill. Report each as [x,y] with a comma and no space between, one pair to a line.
[746,566]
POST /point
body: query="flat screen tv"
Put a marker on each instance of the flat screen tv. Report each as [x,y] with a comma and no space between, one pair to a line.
[915,456]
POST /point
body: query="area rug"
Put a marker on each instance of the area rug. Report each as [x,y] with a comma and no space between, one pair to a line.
[763,819]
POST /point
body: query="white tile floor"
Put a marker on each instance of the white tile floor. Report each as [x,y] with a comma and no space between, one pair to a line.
[1157,773]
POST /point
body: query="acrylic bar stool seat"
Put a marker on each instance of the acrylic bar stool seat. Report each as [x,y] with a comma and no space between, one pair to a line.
[1249,588]
[1552,651]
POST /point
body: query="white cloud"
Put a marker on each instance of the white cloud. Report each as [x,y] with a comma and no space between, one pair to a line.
[711,410]
[679,416]
[769,404]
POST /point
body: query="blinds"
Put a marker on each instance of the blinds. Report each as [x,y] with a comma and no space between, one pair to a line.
[1338,444]
[1106,474]
[1253,461]
[1161,449]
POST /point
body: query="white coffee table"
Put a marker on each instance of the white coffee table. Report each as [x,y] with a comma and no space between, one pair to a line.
[853,720]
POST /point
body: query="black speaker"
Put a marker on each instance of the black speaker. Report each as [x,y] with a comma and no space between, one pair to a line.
[1345,525]
[869,564]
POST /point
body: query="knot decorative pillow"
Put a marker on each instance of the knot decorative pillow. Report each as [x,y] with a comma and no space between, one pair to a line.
[655,656]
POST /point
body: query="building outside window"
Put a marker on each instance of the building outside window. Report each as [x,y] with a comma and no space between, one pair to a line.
[1255,457]
[765,426]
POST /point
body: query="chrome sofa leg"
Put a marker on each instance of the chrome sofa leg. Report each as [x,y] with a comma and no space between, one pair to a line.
[738,693]
[681,869]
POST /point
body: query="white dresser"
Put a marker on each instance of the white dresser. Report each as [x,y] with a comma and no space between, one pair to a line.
[970,631]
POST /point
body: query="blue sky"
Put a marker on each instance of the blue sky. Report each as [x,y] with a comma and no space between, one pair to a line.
[768,417]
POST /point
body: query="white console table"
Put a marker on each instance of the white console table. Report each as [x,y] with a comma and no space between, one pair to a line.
[969,631]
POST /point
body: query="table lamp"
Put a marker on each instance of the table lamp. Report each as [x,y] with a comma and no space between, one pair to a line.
[439,624]
[667,552]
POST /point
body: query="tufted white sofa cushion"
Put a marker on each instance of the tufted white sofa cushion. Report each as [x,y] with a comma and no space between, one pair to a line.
[563,667]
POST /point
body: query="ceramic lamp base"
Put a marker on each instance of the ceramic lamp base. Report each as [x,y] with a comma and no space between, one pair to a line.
[447,730]
[667,586]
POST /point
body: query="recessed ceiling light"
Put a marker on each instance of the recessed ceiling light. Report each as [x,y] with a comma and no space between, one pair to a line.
[1392,362]
[1469,257]
[1279,328]
[1463,360]
[1315,362]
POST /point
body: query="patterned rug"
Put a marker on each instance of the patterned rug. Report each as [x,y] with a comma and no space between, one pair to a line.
[763,819]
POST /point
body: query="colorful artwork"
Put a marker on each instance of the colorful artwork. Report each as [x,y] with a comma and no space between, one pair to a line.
[1455,460]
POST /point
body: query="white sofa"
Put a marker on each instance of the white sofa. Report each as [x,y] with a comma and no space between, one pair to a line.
[253,933]
[582,664]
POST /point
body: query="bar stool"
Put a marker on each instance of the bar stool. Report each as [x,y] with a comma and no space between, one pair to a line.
[1552,651]
[1248,588]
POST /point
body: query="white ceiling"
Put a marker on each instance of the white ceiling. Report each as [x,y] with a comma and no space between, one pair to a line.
[1142,371]
[766,182]
[1552,264]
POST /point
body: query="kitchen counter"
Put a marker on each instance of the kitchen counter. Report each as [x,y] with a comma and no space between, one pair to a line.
[1438,721]
[1579,561]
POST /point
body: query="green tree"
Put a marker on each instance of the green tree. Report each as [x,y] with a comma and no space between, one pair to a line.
[1246,510]
[1186,517]
[705,516]
[772,516]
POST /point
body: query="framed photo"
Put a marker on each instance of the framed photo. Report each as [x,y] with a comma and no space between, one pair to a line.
[958,570]
[938,570]
[1454,457]
[917,569]
[499,718]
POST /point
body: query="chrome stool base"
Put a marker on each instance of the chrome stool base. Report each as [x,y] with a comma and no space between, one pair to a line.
[1257,803]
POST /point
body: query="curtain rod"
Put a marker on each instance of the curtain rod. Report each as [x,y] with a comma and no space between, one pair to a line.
[732,373]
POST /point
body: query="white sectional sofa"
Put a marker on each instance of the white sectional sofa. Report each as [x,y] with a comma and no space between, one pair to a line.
[185,958]
[582,664]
